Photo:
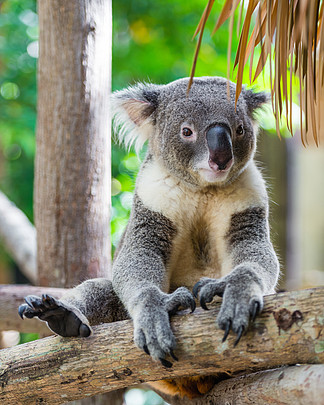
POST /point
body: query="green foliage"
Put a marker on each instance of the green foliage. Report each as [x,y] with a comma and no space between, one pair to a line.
[28,337]
[18,33]
[152,41]
[18,36]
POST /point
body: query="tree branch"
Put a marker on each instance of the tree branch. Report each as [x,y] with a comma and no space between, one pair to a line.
[19,237]
[56,370]
[11,296]
[302,384]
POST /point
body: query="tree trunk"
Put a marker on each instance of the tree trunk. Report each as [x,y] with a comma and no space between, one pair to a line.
[55,370]
[72,170]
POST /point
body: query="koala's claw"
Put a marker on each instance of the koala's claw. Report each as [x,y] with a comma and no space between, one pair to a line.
[165,363]
[207,288]
[180,298]
[146,350]
[227,329]
[21,310]
[239,334]
[152,330]
[196,289]
[203,304]
[200,284]
[173,355]
[61,319]
[32,301]
[24,312]
[255,309]
[241,302]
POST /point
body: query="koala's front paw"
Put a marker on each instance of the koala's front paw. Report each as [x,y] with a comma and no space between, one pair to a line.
[152,330]
[242,301]
[61,318]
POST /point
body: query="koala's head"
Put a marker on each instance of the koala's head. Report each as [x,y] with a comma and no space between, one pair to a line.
[200,138]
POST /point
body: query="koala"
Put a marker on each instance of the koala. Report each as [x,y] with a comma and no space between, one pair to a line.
[199,222]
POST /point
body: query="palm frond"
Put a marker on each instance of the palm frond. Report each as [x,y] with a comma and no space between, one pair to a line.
[293,32]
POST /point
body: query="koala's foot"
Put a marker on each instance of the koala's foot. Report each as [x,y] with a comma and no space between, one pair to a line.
[242,301]
[152,330]
[61,318]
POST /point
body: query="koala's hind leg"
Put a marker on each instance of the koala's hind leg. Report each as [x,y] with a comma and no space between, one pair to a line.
[90,303]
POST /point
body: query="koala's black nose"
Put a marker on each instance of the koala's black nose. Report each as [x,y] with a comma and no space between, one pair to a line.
[220,146]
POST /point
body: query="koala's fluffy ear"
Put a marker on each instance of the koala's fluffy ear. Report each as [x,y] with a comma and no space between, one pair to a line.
[255,100]
[133,113]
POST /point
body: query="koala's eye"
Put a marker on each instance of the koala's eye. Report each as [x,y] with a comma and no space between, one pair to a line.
[240,130]
[186,132]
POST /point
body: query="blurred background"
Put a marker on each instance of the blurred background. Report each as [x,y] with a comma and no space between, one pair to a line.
[152,41]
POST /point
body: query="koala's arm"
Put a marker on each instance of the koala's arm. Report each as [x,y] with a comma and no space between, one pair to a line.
[90,303]
[255,271]
[249,245]
[140,280]
[139,283]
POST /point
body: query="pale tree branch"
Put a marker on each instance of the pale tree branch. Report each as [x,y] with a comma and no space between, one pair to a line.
[298,385]
[57,370]
[19,237]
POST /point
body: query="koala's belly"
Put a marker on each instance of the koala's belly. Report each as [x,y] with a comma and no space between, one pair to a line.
[194,255]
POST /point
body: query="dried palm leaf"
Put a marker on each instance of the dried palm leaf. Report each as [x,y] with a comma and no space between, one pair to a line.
[200,28]
[295,31]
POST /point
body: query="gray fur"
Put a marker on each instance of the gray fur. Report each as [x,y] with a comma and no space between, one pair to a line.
[144,251]
[206,104]
[141,263]
[149,231]
[250,224]
[255,266]
[254,274]
[249,242]
[97,300]
[191,216]
[202,109]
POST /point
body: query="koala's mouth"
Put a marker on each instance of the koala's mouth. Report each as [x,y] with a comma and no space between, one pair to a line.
[212,173]
[212,176]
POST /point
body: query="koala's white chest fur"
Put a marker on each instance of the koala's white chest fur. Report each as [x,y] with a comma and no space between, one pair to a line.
[202,219]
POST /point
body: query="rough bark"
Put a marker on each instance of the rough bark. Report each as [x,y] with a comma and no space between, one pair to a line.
[19,237]
[297,385]
[72,171]
[72,168]
[56,370]
[11,296]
